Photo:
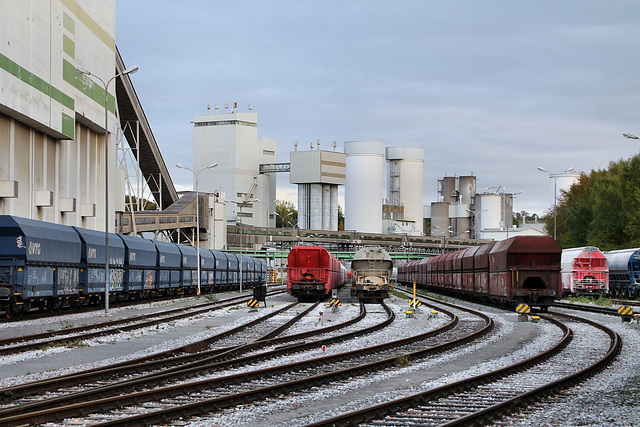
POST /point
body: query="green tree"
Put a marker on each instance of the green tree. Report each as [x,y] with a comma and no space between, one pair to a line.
[601,209]
[286,211]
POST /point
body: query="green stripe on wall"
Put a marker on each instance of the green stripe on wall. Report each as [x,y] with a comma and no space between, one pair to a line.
[68,23]
[36,82]
[68,46]
[90,23]
[87,86]
[68,126]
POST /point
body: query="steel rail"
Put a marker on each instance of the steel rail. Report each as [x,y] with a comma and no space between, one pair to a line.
[508,406]
[524,399]
[214,404]
[26,415]
[580,307]
[12,346]
[145,363]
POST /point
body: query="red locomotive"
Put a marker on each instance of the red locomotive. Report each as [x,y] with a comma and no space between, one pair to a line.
[313,272]
[522,269]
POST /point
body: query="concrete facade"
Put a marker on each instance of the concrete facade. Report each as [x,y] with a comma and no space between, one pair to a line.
[318,174]
[52,118]
[231,140]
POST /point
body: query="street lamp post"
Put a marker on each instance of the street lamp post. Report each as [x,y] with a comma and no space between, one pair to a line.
[196,175]
[475,223]
[107,273]
[504,204]
[444,238]
[282,245]
[241,205]
[555,196]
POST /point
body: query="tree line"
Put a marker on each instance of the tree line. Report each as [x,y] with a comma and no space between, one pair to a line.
[601,209]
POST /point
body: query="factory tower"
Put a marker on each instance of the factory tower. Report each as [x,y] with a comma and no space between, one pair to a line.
[231,140]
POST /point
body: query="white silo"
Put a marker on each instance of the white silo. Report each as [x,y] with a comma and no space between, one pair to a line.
[490,206]
[363,192]
[405,167]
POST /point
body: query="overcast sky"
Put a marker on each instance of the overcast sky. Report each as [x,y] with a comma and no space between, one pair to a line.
[493,88]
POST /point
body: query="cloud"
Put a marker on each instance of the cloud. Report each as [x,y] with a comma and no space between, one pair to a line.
[494,87]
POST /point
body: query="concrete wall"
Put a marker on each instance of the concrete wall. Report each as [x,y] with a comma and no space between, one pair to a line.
[52,118]
[231,140]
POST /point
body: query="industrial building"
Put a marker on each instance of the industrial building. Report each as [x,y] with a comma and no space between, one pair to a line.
[52,118]
[230,139]
[404,208]
[318,174]
[463,212]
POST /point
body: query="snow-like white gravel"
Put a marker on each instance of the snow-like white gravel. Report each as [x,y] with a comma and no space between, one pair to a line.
[609,398]
[253,415]
[183,324]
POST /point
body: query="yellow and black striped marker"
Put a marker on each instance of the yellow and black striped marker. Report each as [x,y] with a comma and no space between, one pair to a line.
[415,303]
[523,309]
[335,303]
[625,311]
[253,303]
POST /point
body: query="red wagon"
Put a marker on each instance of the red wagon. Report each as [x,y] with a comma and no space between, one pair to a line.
[313,272]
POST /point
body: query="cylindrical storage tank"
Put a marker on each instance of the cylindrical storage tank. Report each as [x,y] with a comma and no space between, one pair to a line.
[463,227]
[326,206]
[440,219]
[411,164]
[315,207]
[467,186]
[302,205]
[363,192]
[334,208]
[562,182]
[449,189]
[491,207]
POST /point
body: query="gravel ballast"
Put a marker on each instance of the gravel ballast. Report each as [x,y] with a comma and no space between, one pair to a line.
[609,398]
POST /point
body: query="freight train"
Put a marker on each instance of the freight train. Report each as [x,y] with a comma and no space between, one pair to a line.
[371,269]
[624,272]
[48,266]
[313,272]
[585,272]
[521,269]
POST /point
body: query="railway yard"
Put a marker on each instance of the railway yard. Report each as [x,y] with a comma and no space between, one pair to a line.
[203,362]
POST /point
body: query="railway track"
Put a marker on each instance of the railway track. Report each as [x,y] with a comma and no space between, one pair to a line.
[48,393]
[70,336]
[482,398]
[200,396]
[587,308]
